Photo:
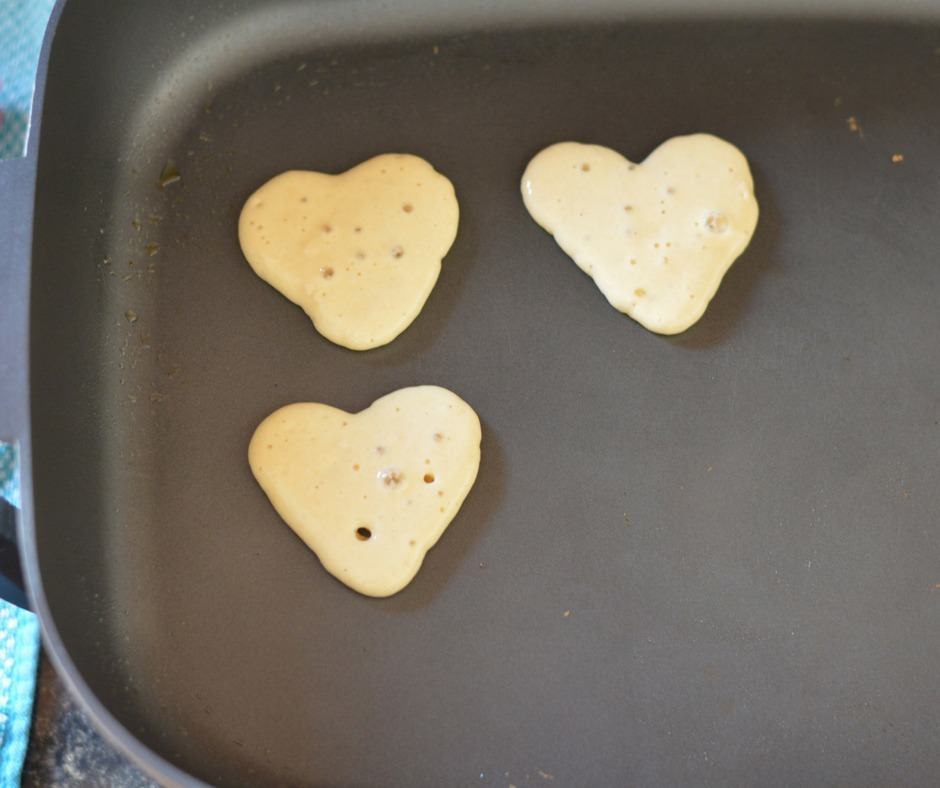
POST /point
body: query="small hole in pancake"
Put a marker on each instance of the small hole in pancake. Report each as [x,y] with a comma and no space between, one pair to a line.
[438,437]
[397,252]
[357,229]
[407,207]
[628,208]
[303,199]
[327,272]
[639,292]
[327,228]
[428,478]
[356,467]
[363,534]
[585,167]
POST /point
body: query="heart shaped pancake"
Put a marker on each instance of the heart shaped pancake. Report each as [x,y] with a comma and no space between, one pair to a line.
[370,492]
[656,237]
[360,252]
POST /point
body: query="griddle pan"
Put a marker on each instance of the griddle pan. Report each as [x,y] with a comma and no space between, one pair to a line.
[706,559]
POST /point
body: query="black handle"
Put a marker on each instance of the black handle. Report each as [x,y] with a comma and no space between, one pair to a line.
[11,577]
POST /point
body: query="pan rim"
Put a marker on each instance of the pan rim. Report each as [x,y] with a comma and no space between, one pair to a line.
[111,728]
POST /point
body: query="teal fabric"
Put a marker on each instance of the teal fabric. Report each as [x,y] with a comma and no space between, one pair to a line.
[9,474]
[22,24]
[19,660]
[19,657]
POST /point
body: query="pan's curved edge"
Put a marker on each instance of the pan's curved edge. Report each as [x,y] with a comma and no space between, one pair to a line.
[154,765]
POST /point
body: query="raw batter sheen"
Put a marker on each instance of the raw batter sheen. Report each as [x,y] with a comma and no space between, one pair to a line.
[656,237]
[360,252]
[371,492]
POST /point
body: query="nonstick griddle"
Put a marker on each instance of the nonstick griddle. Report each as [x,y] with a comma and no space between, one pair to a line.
[705,559]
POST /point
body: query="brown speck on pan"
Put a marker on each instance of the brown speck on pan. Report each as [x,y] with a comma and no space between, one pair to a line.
[567,614]
[131,316]
[169,175]
[152,248]
[546,775]
[897,158]
[854,127]
[482,564]
[435,50]
[135,223]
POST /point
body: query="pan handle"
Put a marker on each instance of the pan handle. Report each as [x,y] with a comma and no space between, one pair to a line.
[11,576]
[17,189]
[16,208]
